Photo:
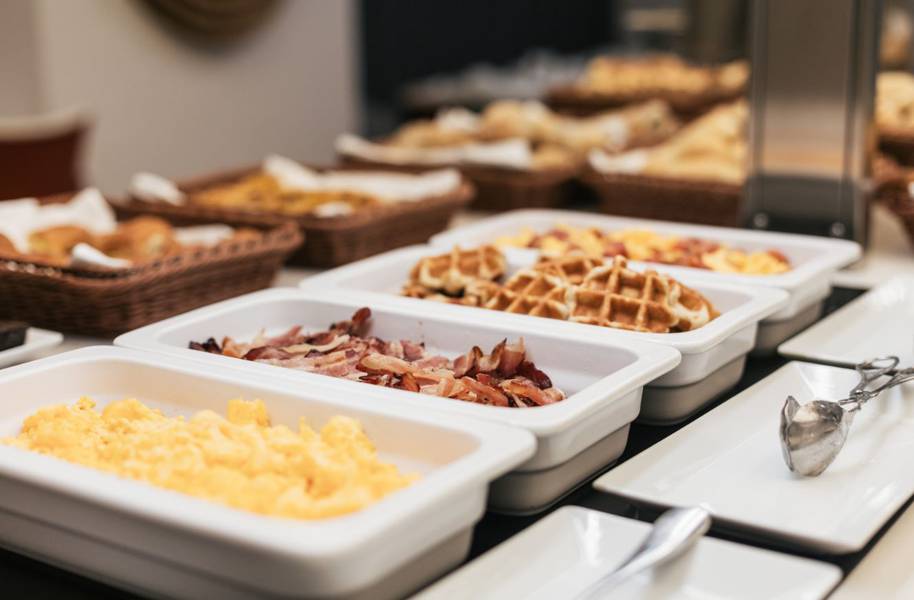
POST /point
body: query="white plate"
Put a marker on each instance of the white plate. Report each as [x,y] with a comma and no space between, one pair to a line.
[814,259]
[704,350]
[173,544]
[878,323]
[562,554]
[602,378]
[886,570]
[730,461]
[36,340]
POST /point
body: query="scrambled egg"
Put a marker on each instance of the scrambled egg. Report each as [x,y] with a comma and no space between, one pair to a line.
[241,461]
[641,245]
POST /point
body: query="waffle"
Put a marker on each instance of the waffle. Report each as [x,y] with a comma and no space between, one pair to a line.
[691,308]
[534,293]
[572,268]
[615,296]
[452,272]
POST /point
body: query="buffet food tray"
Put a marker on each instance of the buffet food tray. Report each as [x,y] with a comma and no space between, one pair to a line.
[329,241]
[603,378]
[160,542]
[704,350]
[814,259]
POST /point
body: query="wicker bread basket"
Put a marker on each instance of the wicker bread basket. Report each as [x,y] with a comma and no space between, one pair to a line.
[569,99]
[329,241]
[105,303]
[669,199]
[897,143]
[891,188]
[500,189]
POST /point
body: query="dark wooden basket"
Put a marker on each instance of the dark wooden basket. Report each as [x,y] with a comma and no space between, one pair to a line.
[499,189]
[898,143]
[891,183]
[669,199]
[106,303]
[329,241]
[570,100]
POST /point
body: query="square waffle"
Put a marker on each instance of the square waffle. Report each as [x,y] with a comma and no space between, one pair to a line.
[572,268]
[616,296]
[452,272]
[531,292]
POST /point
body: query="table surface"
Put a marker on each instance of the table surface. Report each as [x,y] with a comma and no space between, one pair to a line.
[23,577]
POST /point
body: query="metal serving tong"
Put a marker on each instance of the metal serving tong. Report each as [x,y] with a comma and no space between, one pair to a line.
[813,434]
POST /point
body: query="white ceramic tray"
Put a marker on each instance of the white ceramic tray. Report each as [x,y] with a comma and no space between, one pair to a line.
[170,544]
[879,323]
[559,556]
[815,259]
[704,351]
[885,572]
[730,461]
[603,379]
[36,340]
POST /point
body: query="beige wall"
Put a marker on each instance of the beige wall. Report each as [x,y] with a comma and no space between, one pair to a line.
[18,59]
[167,106]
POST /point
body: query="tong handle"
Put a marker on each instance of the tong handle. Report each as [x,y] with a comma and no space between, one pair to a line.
[872,370]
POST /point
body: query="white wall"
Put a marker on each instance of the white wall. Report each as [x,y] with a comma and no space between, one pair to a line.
[18,59]
[164,105]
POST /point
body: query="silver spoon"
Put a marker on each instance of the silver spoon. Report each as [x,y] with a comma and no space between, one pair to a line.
[674,532]
[814,433]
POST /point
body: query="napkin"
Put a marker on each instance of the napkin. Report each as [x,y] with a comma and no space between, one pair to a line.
[150,187]
[387,187]
[87,209]
[627,162]
[513,153]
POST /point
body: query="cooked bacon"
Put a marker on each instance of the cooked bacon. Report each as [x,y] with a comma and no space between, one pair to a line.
[467,364]
[326,347]
[266,353]
[408,383]
[512,356]
[285,339]
[210,345]
[528,369]
[412,351]
[524,389]
[504,377]
[485,394]
[379,363]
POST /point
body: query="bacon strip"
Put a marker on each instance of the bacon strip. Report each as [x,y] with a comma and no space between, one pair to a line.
[504,377]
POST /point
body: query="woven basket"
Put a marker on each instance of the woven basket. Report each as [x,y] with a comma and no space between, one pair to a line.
[891,188]
[570,100]
[897,143]
[499,189]
[668,199]
[329,241]
[105,303]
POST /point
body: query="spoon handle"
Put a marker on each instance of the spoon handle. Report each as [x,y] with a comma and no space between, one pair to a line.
[674,532]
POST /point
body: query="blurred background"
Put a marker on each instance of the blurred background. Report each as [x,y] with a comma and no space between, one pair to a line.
[185,87]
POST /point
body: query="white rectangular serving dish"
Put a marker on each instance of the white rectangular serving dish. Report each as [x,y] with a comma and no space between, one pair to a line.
[603,379]
[704,351]
[562,554]
[169,544]
[36,340]
[730,462]
[878,323]
[814,259]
